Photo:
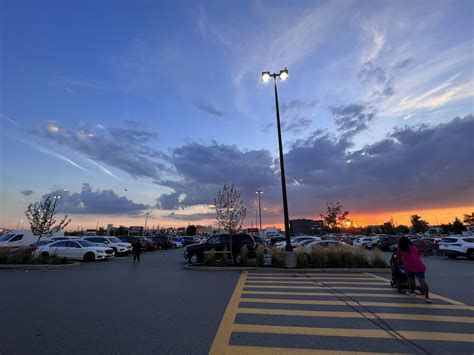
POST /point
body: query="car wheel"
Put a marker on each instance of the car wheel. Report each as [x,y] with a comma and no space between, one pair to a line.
[44,254]
[89,257]
[193,259]
[452,256]
[470,254]
[237,259]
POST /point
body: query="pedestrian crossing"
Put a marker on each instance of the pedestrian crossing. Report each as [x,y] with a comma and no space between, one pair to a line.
[335,313]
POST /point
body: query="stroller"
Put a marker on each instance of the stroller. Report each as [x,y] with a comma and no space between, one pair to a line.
[399,278]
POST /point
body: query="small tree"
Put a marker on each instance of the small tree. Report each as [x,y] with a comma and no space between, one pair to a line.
[458,227]
[191,230]
[230,211]
[402,229]
[469,219]
[418,225]
[334,216]
[41,218]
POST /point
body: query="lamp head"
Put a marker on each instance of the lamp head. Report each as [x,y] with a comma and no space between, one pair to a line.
[284,74]
[266,76]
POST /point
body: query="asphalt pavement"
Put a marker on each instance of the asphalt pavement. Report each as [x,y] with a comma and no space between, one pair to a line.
[113,307]
[159,307]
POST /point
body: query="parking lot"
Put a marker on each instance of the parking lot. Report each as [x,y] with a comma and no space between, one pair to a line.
[158,306]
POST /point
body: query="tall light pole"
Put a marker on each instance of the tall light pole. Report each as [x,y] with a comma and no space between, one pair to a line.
[256,216]
[97,225]
[20,221]
[146,220]
[259,192]
[283,75]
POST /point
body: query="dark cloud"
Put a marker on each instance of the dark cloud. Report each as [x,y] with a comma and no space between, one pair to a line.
[403,64]
[126,148]
[204,169]
[296,125]
[210,109]
[296,106]
[352,119]
[191,217]
[383,78]
[27,192]
[412,168]
[96,202]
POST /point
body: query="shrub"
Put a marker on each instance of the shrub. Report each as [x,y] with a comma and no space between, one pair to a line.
[244,259]
[334,257]
[301,257]
[277,257]
[359,258]
[261,255]
[210,258]
[224,260]
[318,255]
[23,256]
[377,259]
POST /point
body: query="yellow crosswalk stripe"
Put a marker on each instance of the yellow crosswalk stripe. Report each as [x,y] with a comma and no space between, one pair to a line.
[311,278]
[301,313]
[317,287]
[315,281]
[351,294]
[348,332]
[449,300]
[321,274]
[260,350]
[353,303]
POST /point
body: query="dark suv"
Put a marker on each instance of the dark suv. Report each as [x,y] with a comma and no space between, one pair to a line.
[195,253]
[162,242]
[386,242]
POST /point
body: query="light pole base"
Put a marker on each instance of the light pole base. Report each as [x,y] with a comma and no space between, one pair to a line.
[289,258]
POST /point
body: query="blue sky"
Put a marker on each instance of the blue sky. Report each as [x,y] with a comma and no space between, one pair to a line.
[152,105]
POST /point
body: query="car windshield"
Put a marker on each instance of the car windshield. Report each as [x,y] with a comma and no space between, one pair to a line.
[115,240]
[6,237]
[85,243]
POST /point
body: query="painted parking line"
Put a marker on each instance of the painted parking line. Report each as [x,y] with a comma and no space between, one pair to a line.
[235,337]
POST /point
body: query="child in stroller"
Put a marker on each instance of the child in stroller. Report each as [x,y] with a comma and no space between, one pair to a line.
[399,277]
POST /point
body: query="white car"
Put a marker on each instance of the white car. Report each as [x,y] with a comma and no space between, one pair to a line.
[456,246]
[365,242]
[116,244]
[297,241]
[75,250]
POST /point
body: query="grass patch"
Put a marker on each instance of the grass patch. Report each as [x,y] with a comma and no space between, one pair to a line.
[244,257]
[377,259]
[277,257]
[24,257]
[260,255]
[301,257]
[210,258]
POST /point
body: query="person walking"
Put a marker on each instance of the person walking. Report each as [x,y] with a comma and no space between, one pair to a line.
[414,267]
[136,248]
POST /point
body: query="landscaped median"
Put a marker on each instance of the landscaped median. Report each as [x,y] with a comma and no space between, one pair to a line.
[22,258]
[331,257]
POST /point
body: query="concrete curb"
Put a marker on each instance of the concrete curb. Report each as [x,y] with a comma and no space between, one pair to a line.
[38,266]
[270,269]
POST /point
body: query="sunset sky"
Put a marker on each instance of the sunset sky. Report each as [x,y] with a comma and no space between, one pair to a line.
[128,107]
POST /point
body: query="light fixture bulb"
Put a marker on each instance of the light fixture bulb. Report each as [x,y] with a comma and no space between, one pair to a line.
[266,76]
[284,74]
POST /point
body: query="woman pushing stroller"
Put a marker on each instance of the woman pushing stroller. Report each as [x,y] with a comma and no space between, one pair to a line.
[413,266]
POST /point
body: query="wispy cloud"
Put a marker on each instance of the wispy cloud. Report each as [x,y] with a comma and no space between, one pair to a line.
[210,109]
[27,192]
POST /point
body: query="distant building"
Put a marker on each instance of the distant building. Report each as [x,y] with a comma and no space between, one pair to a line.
[181,231]
[110,230]
[306,226]
[91,232]
[199,230]
[135,231]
